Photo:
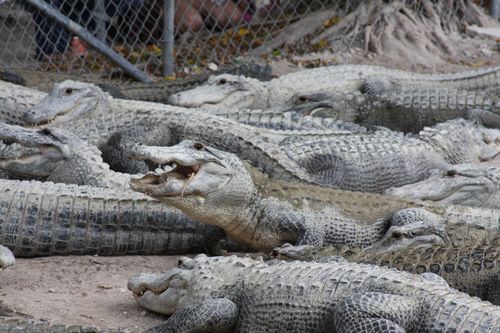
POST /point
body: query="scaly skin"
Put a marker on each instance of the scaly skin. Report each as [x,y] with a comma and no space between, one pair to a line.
[6,258]
[159,92]
[56,155]
[471,269]
[11,324]
[461,184]
[231,91]
[86,111]
[284,120]
[16,101]
[334,155]
[230,294]
[214,187]
[41,219]
[406,110]
[376,161]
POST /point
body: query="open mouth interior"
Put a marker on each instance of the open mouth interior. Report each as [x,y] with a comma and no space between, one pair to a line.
[164,173]
[27,155]
[49,121]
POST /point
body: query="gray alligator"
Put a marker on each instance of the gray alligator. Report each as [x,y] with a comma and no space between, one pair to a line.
[463,184]
[159,92]
[6,258]
[154,92]
[230,294]
[41,219]
[70,100]
[214,187]
[15,325]
[334,160]
[406,110]
[56,155]
[471,269]
[16,101]
[232,91]
[378,160]
[86,111]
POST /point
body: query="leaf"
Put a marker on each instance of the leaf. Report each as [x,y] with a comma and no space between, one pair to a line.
[276,52]
[242,32]
[331,21]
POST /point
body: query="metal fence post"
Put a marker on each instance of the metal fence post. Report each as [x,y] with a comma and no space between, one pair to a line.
[101,18]
[168,37]
[494,8]
[81,32]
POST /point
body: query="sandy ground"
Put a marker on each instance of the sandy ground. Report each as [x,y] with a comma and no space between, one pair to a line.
[92,290]
[85,290]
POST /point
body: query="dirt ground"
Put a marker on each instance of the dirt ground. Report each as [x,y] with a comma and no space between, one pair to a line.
[84,290]
[91,290]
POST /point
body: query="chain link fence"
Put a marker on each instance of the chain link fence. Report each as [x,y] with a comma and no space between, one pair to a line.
[207,33]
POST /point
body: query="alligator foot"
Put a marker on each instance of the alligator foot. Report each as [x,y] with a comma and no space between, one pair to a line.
[300,252]
[213,315]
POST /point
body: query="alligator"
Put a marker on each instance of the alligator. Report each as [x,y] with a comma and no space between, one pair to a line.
[231,91]
[406,110]
[471,269]
[464,184]
[6,258]
[159,92]
[12,77]
[24,325]
[214,187]
[154,92]
[71,100]
[56,155]
[86,111]
[231,294]
[152,123]
[43,218]
[16,101]
[375,161]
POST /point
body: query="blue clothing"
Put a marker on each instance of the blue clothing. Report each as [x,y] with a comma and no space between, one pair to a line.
[51,37]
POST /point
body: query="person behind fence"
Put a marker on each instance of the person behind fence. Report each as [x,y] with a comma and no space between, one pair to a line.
[190,15]
[51,37]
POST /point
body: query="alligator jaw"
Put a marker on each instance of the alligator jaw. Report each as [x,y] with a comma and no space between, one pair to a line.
[158,292]
[167,183]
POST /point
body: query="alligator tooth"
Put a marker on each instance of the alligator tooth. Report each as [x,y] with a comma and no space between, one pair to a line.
[159,171]
[167,168]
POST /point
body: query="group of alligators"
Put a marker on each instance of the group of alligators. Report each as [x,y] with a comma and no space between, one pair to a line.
[369,192]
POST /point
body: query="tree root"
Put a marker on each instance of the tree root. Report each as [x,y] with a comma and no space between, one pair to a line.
[419,30]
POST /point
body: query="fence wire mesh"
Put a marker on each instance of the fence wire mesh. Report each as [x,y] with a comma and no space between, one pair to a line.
[207,32]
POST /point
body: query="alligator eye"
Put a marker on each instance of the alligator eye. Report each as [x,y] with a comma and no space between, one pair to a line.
[68,91]
[450,173]
[302,99]
[222,81]
[397,235]
[198,146]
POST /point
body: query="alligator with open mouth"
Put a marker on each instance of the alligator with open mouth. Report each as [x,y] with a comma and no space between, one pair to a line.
[214,187]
